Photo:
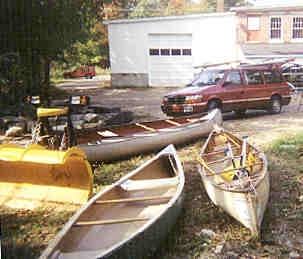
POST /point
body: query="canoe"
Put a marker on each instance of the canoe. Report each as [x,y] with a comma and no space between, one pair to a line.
[235,176]
[120,141]
[128,219]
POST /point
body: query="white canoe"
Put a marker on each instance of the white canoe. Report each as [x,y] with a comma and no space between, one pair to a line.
[128,219]
[244,196]
[120,141]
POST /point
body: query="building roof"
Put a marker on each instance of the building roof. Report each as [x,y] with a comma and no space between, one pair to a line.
[167,18]
[266,50]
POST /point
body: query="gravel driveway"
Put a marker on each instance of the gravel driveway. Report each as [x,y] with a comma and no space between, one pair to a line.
[260,126]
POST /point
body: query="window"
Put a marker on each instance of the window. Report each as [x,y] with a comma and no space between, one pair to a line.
[186,52]
[234,78]
[253,23]
[253,77]
[297,28]
[168,52]
[176,52]
[154,52]
[165,52]
[275,28]
[272,76]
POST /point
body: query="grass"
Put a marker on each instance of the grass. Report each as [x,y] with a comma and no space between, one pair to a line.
[27,233]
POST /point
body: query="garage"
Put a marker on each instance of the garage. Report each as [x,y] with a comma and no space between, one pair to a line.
[163,51]
[170,59]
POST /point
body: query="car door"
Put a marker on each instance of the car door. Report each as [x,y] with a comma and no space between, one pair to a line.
[275,85]
[256,93]
[232,91]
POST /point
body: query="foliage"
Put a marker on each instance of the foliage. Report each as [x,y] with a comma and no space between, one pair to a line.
[147,8]
[289,146]
[39,32]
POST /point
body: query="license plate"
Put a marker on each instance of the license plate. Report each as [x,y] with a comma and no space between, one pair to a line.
[188,109]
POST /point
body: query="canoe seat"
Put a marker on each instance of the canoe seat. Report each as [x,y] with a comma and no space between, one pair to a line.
[135,185]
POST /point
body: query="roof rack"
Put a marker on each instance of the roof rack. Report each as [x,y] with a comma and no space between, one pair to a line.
[206,65]
[247,64]
[277,62]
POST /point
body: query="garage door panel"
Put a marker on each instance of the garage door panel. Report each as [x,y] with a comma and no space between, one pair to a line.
[170,63]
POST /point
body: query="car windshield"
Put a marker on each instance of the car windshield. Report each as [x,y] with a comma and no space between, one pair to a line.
[207,77]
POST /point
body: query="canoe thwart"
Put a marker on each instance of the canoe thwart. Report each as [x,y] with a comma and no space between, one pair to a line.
[108,222]
[173,122]
[137,199]
[145,127]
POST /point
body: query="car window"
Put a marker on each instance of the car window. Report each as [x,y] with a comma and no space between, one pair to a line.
[253,77]
[208,77]
[272,76]
[233,78]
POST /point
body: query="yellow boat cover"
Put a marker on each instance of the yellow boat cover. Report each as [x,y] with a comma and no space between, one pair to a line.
[44,112]
[37,174]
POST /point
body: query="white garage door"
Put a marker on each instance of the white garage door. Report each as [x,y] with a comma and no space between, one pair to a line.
[170,59]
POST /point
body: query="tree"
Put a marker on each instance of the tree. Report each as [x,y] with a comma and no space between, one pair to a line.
[39,31]
[147,8]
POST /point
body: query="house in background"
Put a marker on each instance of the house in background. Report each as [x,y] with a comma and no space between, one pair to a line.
[271,29]
[163,51]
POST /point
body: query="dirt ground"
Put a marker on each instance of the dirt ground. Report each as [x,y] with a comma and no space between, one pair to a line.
[145,103]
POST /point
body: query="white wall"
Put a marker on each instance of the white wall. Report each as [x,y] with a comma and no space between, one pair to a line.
[214,39]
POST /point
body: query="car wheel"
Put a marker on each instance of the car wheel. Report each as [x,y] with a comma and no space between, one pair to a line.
[212,105]
[276,105]
[240,113]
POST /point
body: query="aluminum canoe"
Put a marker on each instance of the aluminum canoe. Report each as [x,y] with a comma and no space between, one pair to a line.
[241,189]
[117,142]
[128,219]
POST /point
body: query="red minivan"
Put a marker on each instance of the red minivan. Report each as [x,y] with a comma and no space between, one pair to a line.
[231,89]
[83,71]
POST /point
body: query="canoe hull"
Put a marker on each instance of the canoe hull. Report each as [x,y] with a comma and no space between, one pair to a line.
[117,148]
[246,207]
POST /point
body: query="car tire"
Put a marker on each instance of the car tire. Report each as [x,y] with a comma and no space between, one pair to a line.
[276,105]
[240,113]
[212,105]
